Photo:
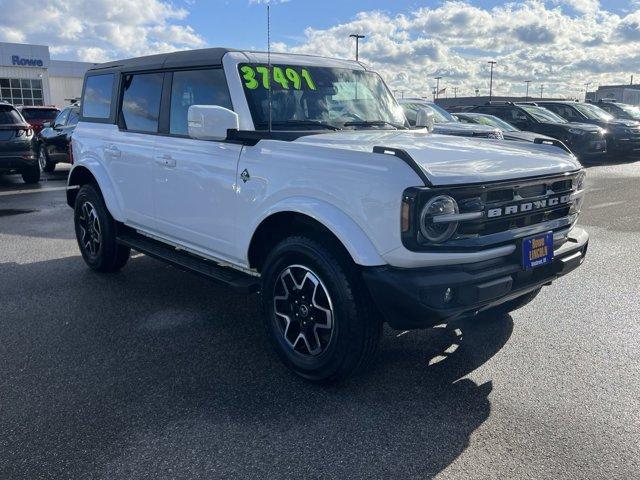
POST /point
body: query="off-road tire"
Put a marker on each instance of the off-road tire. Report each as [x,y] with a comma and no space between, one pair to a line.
[356,323]
[103,254]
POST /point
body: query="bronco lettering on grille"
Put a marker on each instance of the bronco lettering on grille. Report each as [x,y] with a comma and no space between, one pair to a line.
[528,206]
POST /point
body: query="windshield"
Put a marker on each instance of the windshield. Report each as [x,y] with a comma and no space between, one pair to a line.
[592,112]
[542,114]
[39,113]
[492,121]
[10,116]
[315,98]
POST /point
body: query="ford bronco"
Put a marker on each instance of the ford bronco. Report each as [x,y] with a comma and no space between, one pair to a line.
[297,177]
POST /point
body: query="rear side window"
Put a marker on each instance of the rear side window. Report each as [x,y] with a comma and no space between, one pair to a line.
[39,113]
[10,116]
[96,102]
[141,102]
[196,87]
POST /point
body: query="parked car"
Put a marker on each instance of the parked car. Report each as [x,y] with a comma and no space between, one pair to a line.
[17,153]
[623,136]
[584,139]
[38,116]
[508,131]
[445,123]
[297,176]
[55,139]
[623,111]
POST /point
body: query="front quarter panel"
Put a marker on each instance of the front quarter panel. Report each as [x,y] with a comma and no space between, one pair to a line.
[356,195]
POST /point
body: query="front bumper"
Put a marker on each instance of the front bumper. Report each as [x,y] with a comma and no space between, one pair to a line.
[589,148]
[16,161]
[623,144]
[414,298]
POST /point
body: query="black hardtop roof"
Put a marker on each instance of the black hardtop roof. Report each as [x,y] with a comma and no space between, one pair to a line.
[186,58]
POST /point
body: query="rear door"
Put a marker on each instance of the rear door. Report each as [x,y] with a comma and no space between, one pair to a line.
[130,154]
[55,137]
[195,180]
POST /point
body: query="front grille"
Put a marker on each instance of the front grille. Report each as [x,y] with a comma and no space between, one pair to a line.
[509,210]
[532,198]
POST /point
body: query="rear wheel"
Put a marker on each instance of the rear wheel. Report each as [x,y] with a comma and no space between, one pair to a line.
[96,232]
[31,174]
[46,165]
[318,315]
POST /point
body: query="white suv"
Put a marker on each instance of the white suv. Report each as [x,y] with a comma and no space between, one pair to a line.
[298,177]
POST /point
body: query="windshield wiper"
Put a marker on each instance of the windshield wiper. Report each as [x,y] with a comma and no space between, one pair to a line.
[374,123]
[300,123]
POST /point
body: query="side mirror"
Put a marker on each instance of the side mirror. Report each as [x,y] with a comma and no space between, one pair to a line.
[425,119]
[211,122]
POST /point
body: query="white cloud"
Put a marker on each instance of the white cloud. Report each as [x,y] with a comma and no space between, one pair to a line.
[562,44]
[101,30]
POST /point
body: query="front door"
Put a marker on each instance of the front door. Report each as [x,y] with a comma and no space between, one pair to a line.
[195,180]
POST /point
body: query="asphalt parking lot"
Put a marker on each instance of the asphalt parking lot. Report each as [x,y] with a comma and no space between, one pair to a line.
[155,373]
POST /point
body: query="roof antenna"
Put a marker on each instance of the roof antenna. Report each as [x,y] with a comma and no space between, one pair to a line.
[269,60]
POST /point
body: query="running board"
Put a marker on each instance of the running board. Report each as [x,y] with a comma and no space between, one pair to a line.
[239,281]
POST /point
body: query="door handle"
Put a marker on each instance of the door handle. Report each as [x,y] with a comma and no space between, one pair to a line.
[166,161]
[113,151]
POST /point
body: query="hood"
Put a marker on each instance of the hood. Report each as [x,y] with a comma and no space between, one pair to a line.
[622,123]
[589,127]
[459,128]
[526,136]
[449,160]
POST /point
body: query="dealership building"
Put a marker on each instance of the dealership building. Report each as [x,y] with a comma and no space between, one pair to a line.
[28,76]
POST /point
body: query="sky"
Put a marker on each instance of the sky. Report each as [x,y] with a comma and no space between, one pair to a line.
[559,44]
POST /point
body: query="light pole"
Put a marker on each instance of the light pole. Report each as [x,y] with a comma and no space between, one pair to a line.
[357,37]
[541,90]
[492,63]
[586,90]
[437,79]
[455,92]
[527,95]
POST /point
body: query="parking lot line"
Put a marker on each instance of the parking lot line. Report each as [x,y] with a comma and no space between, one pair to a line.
[39,190]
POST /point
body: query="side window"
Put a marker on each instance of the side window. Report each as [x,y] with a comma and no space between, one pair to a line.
[570,114]
[72,119]
[96,100]
[411,112]
[196,87]
[498,112]
[61,119]
[141,102]
[516,115]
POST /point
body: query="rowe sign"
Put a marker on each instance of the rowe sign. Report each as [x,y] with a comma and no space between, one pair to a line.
[26,62]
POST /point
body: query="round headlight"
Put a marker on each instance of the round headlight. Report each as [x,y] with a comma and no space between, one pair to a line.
[438,232]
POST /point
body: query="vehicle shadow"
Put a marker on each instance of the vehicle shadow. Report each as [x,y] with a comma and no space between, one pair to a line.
[155,372]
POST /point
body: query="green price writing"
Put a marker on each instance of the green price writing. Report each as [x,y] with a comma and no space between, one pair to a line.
[256,76]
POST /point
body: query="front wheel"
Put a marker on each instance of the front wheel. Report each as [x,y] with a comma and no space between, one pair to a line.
[96,232]
[46,165]
[317,313]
